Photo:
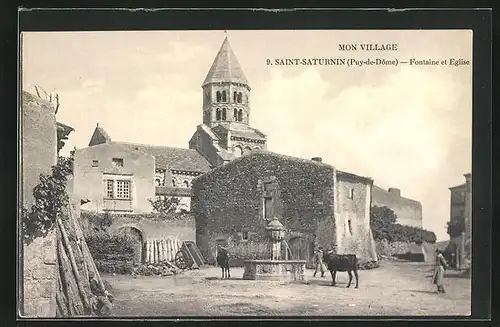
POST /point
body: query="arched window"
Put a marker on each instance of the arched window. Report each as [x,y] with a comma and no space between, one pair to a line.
[219,97]
[235,114]
[240,97]
[240,115]
[157,182]
[217,114]
[224,114]
[238,151]
[186,184]
[247,150]
[173,182]
[235,97]
[224,98]
[256,148]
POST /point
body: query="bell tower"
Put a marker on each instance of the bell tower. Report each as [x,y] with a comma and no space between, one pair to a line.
[226,90]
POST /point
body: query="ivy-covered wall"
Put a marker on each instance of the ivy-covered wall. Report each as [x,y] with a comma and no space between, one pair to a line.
[228,203]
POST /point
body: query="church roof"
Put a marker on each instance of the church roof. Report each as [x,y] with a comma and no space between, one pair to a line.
[225,67]
[240,130]
[172,158]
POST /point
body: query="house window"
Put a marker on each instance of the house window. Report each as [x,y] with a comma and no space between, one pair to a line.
[244,235]
[95,163]
[122,189]
[117,162]
[118,189]
[351,193]
[268,207]
[350,226]
[110,188]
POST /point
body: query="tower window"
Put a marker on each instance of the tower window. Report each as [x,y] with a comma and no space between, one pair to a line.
[350,226]
[240,97]
[217,114]
[186,184]
[157,182]
[218,96]
[173,182]
[235,115]
[224,98]
[235,97]
[117,162]
[224,114]
[240,115]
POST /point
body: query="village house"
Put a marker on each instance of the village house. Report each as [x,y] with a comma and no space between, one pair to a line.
[461,208]
[318,204]
[408,211]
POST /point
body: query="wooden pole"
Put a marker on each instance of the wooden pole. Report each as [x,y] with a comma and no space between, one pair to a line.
[73,302]
[71,256]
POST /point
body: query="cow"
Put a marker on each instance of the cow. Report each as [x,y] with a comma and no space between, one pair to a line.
[223,261]
[342,262]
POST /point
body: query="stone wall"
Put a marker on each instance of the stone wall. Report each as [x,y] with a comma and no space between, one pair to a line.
[40,277]
[39,143]
[228,202]
[151,228]
[405,250]
[408,211]
[94,164]
[39,153]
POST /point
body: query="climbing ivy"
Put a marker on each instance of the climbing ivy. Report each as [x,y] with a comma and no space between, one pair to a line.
[50,199]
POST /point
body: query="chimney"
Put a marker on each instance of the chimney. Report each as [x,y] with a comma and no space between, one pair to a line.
[395,191]
[317,159]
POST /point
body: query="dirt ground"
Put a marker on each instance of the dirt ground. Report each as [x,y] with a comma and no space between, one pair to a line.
[396,288]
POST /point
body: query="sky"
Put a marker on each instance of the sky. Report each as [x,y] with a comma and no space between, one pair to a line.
[408,127]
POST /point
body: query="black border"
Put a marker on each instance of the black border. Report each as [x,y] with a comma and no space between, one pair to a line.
[478,20]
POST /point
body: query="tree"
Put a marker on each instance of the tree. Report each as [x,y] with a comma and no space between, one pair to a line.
[166,205]
[456,226]
[381,221]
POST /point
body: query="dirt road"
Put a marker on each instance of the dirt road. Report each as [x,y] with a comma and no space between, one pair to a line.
[393,289]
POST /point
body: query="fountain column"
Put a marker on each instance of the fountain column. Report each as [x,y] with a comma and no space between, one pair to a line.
[276,232]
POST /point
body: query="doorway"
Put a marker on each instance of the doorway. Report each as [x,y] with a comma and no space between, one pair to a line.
[135,236]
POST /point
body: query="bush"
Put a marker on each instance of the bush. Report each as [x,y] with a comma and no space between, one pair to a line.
[383,224]
[99,222]
[115,247]
[115,266]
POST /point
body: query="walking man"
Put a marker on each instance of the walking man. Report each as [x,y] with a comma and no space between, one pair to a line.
[318,260]
[438,276]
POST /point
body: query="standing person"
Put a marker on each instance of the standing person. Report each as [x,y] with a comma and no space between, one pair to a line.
[438,276]
[318,260]
[103,305]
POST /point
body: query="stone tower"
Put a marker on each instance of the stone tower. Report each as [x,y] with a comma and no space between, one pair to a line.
[225,90]
[226,133]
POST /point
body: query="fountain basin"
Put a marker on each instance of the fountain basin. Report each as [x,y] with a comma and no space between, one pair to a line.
[291,270]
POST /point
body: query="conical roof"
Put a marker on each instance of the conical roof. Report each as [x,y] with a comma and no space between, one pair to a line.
[225,67]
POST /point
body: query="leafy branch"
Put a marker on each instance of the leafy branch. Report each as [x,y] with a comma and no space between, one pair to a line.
[50,200]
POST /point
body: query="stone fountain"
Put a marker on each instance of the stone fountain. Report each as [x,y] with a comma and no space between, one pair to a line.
[276,267]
